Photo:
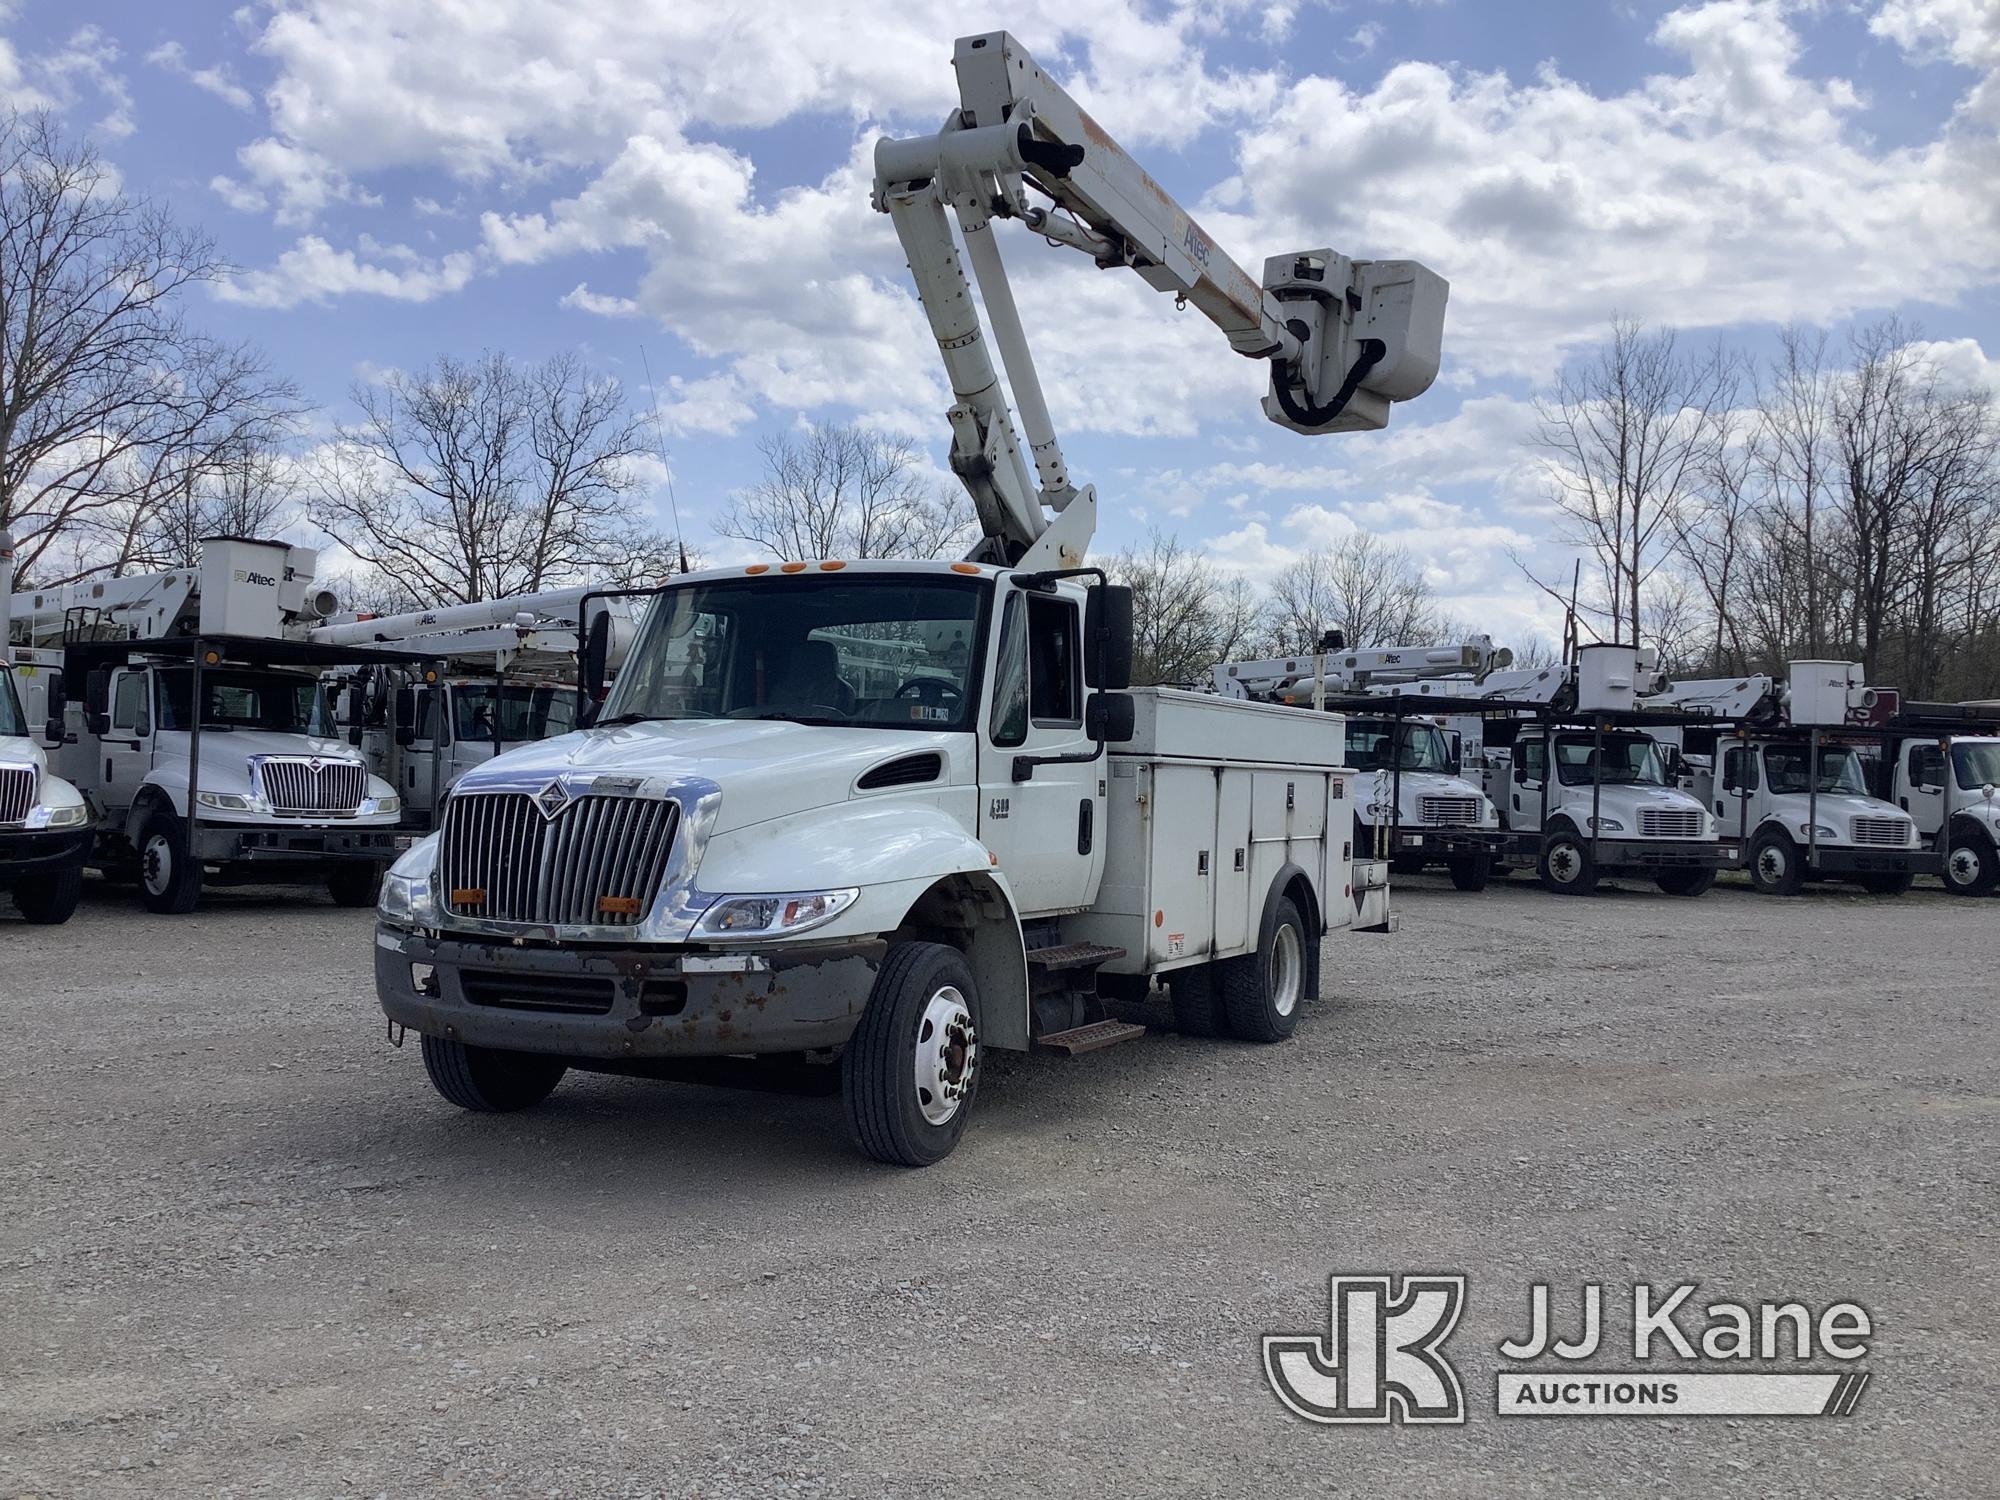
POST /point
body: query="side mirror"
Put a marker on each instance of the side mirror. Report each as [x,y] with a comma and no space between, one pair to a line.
[354,734]
[55,731]
[596,656]
[406,736]
[1110,718]
[98,724]
[97,692]
[1107,636]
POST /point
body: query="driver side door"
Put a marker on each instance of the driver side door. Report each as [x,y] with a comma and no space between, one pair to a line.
[1047,828]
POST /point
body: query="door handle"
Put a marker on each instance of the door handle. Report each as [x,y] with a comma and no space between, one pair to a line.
[1085,819]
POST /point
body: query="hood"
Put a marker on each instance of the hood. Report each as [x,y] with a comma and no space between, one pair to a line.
[1834,807]
[226,753]
[19,750]
[1635,799]
[765,768]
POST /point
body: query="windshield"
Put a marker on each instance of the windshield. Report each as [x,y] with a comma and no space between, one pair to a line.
[528,711]
[886,651]
[12,721]
[1623,760]
[1419,747]
[1976,763]
[1839,770]
[282,702]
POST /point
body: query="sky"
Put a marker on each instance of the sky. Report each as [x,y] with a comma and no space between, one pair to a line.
[685,186]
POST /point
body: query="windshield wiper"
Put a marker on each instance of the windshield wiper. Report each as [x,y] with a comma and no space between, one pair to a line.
[625,718]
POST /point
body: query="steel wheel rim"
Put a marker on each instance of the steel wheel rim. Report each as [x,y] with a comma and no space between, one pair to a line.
[157,865]
[947,1055]
[1288,967]
[1565,863]
[1771,863]
[1963,863]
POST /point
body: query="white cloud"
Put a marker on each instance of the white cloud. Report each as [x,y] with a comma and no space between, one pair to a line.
[1366,36]
[216,80]
[314,271]
[61,78]
[583,299]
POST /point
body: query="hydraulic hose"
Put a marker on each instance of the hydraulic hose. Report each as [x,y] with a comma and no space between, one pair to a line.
[1308,415]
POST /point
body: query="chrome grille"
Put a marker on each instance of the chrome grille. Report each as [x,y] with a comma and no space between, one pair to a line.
[1439,812]
[598,862]
[1672,823]
[1892,833]
[17,793]
[300,785]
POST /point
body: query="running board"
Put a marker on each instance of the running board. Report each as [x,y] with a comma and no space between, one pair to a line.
[1092,1038]
[1073,955]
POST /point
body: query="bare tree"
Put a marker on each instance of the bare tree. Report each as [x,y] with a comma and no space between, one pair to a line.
[104,391]
[1186,615]
[1372,591]
[846,492]
[1628,438]
[476,480]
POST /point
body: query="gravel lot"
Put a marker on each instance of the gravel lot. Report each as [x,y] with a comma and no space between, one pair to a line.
[248,1252]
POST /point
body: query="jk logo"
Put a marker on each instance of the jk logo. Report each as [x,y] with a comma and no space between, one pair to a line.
[1380,1362]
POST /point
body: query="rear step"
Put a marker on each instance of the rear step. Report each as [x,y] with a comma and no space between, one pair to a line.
[1073,956]
[1091,1038]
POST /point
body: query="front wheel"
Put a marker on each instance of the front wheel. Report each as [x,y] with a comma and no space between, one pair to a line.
[169,874]
[911,1070]
[48,903]
[1566,866]
[490,1080]
[1262,991]
[354,884]
[1970,868]
[1777,868]
[1686,882]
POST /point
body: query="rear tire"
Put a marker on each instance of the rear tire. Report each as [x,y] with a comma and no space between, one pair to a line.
[1471,872]
[1970,866]
[1686,882]
[51,902]
[488,1080]
[1886,884]
[911,1070]
[1263,992]
[1566,866]
[169,875]
[1197,1001]
[354,885]
[1776,866]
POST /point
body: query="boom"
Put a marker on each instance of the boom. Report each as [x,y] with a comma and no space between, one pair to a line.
[1344,338]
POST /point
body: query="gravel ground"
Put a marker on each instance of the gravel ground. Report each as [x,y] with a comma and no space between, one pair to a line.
[248,1252]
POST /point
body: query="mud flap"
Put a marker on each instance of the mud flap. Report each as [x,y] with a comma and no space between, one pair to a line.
[1371,897]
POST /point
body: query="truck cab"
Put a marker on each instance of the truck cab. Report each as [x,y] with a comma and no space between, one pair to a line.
[1582,801]
[219,766]
[44,820]
[1797,822]
[1414,808]
[1949,784]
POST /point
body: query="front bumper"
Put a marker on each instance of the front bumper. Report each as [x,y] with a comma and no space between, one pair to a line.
[24,855]
[606,1002]
[1435,844]
[1848,859]
[224,843]
[1610,856]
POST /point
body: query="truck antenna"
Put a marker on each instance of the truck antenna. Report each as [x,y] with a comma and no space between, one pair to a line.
[659,435]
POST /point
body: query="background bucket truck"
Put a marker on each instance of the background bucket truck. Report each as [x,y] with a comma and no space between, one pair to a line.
[853,824]
[44,821]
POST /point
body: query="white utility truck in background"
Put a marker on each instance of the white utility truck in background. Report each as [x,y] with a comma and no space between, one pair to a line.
[496,673]
[44,821]
[1941,765]
[1414,809]
[188,709]
[856,823]
[1780,767]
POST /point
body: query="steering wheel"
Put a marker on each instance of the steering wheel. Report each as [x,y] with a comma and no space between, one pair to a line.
[933,692]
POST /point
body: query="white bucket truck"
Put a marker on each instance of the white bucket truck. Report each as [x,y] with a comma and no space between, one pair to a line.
[44,821]
[191,713]
[1780,766]
[773,854]
[1942,767]
[1413,808]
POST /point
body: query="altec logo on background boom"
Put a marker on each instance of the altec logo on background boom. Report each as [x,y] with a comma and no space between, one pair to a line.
[1383,1359]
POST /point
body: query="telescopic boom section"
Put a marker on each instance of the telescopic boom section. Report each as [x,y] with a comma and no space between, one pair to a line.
[1344,338]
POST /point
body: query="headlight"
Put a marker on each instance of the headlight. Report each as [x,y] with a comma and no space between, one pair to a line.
[388,804]
[226,801]
[773,916]
[407,899]
[1810,830]
[68,817]
[1606,825]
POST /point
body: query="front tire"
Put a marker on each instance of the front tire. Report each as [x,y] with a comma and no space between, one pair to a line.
[1777,868]
[354,885]
[169,874]
[1566,867]
[488,1080]
[51,902]
[911,1070]
[1471,872]
[1686,882]
[1970,866]
[1262,992]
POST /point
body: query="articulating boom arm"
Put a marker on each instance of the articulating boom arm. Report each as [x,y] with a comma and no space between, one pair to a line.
[1345,338]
